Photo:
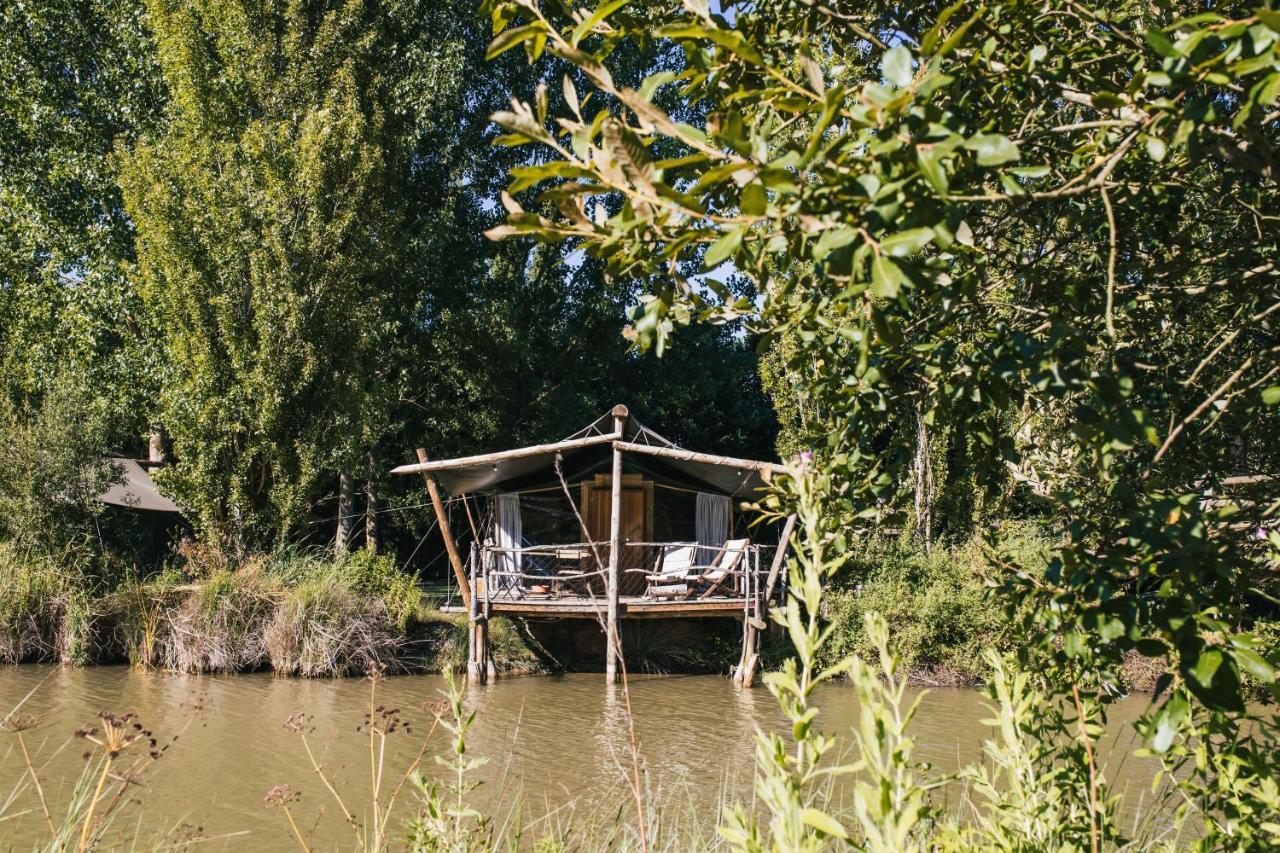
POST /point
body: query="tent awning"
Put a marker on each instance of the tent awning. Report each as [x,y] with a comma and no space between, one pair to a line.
[136,490]
[590,449]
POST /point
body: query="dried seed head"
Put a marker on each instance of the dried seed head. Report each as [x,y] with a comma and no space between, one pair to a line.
[280,795]
[299,723]
[18,723]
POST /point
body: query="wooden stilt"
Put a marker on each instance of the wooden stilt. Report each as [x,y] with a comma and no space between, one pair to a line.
[475,673]
[488,672]
[490,668]
[751,653]
[615,549]
[750,615]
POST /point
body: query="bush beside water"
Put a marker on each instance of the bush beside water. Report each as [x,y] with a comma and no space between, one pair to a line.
[294,614]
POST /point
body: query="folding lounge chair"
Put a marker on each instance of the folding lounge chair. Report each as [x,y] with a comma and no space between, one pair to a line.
[723,567]
[671,580]
[679,577]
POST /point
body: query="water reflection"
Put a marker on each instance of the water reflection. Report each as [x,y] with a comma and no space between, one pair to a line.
[558,743]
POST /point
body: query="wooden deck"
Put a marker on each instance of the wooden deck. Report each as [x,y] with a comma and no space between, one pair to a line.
[629,607]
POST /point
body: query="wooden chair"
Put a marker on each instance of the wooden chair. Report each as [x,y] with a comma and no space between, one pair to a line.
[671,578]
[678,576]
[723,568]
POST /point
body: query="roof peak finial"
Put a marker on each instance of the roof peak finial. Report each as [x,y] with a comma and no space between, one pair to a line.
[621,411]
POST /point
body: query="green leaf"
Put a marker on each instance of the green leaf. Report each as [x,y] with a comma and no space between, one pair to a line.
[1168,720]
[906,242]
[1253,663]
[1160,42]
[602,11]
[992,149]
[723,249]
[654,82]
[1156,148]
[930,161]
[1206,666]
[832,239]
[886,278]
[1106,100]
[508,39]
[897,67]
[824,823]
[1271,396]
[753,200]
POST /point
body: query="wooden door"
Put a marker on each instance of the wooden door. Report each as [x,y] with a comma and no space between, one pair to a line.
[637,524]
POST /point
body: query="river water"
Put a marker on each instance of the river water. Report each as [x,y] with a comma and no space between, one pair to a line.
[558,743]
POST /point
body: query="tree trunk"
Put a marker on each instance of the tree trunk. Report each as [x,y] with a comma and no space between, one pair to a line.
[371,516]
[924,486]
[346,515]
[156,453]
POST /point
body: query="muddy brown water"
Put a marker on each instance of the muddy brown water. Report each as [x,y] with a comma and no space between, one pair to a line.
[557,742]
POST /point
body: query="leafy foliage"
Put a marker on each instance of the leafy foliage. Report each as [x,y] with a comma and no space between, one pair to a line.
[268,220]
[52,468]
[1049,230]
[76,80]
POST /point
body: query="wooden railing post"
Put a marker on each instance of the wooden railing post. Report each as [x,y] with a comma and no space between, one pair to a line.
[751,659]
[615,549]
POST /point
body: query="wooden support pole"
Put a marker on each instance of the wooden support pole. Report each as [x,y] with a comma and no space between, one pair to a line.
[474,671]
[459,573]
[423,466]
[615,548]
[749,611]
[705,458]
[779,557]
[490,668]
[750,654]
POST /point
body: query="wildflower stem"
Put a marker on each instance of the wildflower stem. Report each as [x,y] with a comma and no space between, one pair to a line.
[93,803]
[302,844]
[408,772]
[346,812]
[35,780]
[1093,779]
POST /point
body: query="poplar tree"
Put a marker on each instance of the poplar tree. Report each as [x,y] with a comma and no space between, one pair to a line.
[269,225]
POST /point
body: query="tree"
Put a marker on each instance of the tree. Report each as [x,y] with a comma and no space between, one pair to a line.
[76,80]
[1049,229]
[272,221]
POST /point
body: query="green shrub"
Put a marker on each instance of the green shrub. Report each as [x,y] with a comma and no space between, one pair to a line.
[378,575]
[323,627]
[31,606]
[935,603]
[52,468]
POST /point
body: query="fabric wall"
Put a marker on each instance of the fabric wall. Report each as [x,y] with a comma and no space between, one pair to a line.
[510,532]
[711,523]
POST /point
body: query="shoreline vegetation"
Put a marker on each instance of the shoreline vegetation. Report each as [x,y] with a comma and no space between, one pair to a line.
[315,617]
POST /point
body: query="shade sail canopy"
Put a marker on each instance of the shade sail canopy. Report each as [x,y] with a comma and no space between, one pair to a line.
[590,451]
[136,490]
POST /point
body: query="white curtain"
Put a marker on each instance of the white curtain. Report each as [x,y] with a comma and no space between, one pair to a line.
[711,525]
[510,535]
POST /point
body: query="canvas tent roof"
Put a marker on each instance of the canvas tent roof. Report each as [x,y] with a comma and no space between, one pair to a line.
[589,451]
[136,490]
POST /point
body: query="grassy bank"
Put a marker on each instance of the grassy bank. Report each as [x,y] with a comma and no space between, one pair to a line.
[294,615]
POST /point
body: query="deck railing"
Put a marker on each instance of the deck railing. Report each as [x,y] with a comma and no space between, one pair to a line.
[579,571]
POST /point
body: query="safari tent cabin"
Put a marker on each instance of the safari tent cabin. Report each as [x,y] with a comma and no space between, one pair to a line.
[613,522]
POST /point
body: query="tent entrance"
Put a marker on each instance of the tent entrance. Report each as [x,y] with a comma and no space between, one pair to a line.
[637,524]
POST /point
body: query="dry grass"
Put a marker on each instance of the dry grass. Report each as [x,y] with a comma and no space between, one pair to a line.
[323,628]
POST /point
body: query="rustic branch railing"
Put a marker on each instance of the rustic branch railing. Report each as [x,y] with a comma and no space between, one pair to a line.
[564,571]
